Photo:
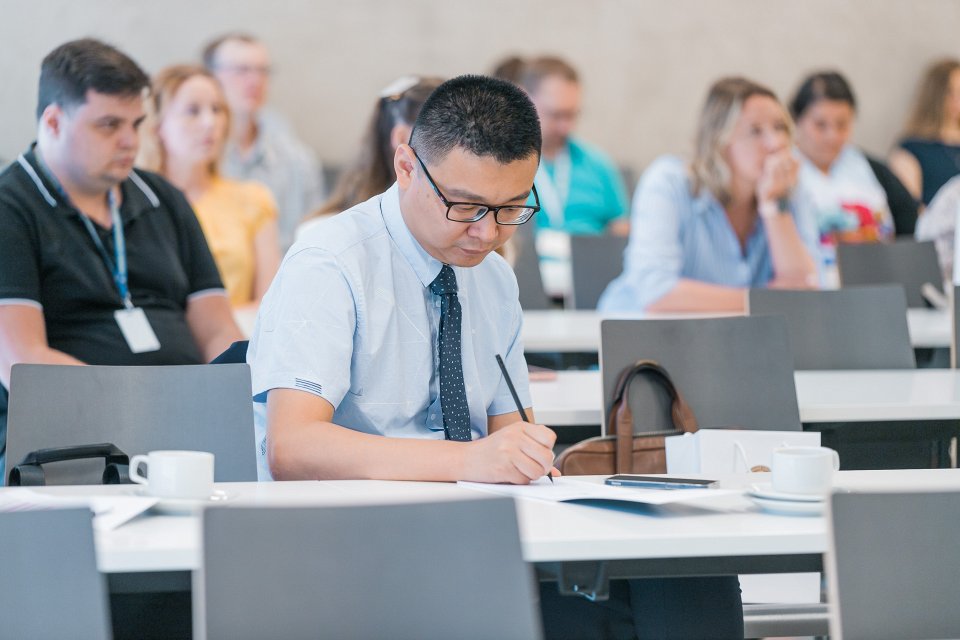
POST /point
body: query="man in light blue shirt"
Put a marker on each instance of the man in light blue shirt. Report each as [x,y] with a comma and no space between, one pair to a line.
[580,187]
[348,351]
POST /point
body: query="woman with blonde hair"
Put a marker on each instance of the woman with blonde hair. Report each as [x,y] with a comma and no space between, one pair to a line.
[929,153]
[704,233]
[183,139]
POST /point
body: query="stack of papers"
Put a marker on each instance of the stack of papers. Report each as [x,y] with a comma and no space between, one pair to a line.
[109,512]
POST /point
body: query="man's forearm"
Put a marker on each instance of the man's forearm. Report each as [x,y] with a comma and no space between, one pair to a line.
[326,451]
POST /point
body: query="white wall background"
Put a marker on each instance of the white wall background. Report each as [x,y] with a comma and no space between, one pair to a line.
[646,63]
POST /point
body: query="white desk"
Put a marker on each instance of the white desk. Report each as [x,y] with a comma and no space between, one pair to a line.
[550,532]
[575,397]
[579,331]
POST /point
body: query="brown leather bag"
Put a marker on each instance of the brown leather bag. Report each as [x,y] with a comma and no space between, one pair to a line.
[622,451]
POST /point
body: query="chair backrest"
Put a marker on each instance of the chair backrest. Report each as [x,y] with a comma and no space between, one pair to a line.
[139,409]
[893,565]
[533,297]
[912,264]
[426,570]
[855,328]
[734,372]
[595,261]
[49,583]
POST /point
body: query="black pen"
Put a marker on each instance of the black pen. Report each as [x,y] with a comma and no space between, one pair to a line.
[516,398]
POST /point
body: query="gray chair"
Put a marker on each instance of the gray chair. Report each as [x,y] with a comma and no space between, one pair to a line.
[733,371]
[854,328]
[893,565]
[912,264]
[138,409]
[49,583]
[533,297]
[595,261]
[427,570]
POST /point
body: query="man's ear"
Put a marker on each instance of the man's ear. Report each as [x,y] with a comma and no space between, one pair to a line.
[51,120]
[404,163]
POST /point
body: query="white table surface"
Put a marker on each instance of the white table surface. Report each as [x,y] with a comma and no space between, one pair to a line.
[579,331]
[550,532]
[575,397]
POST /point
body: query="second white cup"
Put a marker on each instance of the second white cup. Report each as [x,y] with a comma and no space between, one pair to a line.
[185,475]
[804,470]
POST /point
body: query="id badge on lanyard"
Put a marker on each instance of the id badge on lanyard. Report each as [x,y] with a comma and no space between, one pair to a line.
[132,321]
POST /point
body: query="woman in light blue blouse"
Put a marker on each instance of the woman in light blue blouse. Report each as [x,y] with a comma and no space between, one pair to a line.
[704,233]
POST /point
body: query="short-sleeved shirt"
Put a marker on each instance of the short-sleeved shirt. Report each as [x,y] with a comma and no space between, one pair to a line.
[848,203]
[285,165]
[231,214]
[350,318]
[49,260]
[595,195]
[675,233]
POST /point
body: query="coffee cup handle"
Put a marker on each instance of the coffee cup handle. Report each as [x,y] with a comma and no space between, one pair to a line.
[836,460]
[135,469]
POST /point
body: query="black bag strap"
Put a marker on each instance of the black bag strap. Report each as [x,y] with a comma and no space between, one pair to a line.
[30,470]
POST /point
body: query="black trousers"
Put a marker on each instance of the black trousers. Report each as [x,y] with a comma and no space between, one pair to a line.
[647,609]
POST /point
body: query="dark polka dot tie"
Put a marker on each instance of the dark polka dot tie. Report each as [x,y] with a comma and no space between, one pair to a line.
[453,393]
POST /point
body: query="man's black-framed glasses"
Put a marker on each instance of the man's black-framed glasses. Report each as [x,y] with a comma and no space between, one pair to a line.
[474,211]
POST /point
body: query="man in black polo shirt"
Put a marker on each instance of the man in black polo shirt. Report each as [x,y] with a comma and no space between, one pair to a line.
[100,263]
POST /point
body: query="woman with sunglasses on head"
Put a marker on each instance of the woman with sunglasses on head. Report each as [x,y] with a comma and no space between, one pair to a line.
[372,172]
[183,140]
[704,233]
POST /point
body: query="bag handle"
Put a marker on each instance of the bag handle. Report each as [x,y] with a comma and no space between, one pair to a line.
[621,416]
[30,470]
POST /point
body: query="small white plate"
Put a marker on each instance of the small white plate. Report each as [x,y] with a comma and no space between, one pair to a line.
[765,491]
[788,507]
[182,506]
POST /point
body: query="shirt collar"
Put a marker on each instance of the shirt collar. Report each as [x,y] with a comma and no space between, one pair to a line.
[136,195]
[423,264]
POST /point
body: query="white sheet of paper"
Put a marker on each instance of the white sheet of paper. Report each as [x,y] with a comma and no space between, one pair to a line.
[571,490]
[136,330]
[109,512]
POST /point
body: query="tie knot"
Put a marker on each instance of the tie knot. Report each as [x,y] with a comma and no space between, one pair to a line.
[445,283]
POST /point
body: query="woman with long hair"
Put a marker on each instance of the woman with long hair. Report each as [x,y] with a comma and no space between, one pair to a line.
[183,140]
[929,153]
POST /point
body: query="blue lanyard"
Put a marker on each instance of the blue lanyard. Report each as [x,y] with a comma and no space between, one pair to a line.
[118,264]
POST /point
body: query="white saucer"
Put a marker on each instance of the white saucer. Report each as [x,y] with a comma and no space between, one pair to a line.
[184,506]
[765,491]
[788,507]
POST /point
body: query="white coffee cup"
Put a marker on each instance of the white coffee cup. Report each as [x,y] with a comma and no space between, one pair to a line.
[185,475]
[804,470]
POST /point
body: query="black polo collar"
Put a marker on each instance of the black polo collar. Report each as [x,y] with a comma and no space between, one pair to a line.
[137,196]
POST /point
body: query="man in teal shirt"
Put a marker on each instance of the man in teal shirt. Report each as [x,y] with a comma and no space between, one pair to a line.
[581,191]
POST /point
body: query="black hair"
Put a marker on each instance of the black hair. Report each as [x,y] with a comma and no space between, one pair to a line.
[481,115]
[73,68]
[826,85]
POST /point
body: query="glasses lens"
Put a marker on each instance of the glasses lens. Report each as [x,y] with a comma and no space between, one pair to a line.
[514,215]
[466,212]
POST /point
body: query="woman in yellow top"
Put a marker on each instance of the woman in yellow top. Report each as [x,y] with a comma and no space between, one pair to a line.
[183,140]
